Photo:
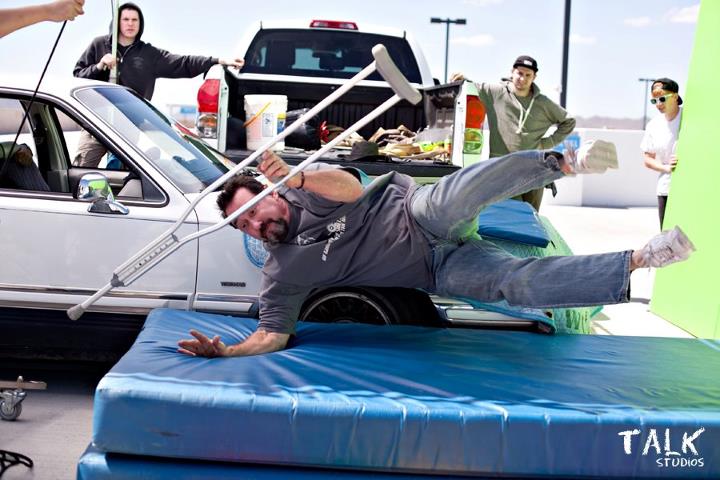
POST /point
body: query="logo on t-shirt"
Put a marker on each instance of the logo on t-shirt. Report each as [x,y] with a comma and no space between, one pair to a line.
[255,251]
[336,230]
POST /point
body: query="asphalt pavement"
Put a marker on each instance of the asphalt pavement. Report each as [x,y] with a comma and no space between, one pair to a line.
[56,424]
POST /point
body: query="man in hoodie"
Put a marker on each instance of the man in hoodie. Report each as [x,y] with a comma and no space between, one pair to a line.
[520,116]
[139,65]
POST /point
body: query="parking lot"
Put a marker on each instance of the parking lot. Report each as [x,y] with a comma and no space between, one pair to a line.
[55,426]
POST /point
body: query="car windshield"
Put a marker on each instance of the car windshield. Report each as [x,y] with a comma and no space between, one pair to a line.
[184,158]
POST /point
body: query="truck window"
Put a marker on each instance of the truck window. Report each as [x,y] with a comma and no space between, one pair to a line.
[324,53]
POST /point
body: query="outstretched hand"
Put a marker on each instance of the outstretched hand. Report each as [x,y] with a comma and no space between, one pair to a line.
[234,62]
[61,10]
[203,346]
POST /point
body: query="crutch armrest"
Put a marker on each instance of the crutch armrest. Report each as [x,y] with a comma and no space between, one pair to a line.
[393,76]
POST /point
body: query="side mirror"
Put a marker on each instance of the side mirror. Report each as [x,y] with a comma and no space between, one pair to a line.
[95,188]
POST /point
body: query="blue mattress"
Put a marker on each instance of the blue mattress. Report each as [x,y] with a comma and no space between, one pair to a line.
[96,465]
[515,221]
[412,399]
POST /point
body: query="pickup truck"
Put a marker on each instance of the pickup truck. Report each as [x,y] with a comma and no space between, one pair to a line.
[306,61]
[59,245]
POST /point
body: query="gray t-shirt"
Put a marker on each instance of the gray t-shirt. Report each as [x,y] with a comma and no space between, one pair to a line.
[373,241]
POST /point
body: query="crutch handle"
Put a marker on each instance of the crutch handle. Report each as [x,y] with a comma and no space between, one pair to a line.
[393,76]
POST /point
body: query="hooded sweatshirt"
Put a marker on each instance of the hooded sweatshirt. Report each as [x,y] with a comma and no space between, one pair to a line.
[520,123]
[139,64]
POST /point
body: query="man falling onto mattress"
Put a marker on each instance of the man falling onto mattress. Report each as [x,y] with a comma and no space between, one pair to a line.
[323,229]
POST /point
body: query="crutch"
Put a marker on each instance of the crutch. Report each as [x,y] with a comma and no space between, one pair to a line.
[167,243]
[114,38]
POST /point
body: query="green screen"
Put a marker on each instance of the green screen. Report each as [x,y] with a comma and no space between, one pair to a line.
[688,294]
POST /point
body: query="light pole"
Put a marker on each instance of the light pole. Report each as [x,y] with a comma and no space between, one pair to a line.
[647,81]
[566,53]
[447,22]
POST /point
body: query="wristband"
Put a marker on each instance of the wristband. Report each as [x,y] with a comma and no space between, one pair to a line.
[302,180]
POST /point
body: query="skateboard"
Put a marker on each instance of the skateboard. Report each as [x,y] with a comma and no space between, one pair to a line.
[12,395]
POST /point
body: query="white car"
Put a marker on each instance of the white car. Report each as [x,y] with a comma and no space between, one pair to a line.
[59,247]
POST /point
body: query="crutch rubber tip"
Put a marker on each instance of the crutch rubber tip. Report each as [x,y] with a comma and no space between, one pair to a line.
[75,312]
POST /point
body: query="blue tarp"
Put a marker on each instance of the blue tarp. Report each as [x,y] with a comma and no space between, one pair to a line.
[414,399]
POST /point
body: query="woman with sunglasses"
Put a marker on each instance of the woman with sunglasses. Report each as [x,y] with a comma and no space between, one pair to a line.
[661,134]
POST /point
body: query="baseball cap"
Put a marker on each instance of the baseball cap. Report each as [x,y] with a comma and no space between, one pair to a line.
[668,85]
[527,62]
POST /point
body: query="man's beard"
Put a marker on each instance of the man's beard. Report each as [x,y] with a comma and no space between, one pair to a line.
[274,231]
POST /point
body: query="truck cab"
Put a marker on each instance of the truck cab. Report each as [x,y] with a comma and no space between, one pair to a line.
[306,61]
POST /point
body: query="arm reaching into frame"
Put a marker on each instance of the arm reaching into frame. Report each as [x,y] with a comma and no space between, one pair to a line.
[12,19]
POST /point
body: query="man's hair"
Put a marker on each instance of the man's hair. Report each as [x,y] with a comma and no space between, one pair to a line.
[233,185]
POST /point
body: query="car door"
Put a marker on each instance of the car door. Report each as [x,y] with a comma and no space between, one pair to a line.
[55,252]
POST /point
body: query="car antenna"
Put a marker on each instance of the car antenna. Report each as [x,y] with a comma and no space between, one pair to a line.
[32,100]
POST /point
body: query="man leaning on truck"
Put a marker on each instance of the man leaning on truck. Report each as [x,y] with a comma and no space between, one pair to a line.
[519,116]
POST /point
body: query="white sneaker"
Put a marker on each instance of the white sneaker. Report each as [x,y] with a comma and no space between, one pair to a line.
[665,248]
[594,156]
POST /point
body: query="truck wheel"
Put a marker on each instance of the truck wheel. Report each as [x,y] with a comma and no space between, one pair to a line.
[375,306]
[9,413]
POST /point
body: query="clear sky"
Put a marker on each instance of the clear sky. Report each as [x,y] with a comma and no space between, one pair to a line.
[613,42]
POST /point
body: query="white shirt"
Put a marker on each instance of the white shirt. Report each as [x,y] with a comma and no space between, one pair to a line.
[661,138]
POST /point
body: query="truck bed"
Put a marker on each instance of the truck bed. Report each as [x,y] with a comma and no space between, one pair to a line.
[351,107]
[415,168]
[436,110]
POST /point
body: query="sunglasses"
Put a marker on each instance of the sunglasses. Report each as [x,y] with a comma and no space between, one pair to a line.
[661,99]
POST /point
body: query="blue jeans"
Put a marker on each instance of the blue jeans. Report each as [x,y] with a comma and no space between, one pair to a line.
[464,265]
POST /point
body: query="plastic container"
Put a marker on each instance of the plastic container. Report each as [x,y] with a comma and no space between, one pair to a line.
[431,138]
[264,119]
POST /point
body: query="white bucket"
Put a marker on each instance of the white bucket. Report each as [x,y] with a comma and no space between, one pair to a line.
[264,119]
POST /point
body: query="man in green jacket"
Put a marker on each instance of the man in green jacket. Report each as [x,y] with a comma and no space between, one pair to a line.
[520,116]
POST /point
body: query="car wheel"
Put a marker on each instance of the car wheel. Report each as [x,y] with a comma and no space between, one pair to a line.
[375,306]
[9,413]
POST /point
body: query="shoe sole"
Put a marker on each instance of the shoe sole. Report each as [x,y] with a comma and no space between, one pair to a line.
[601,155]
[678,244]
[685,243]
